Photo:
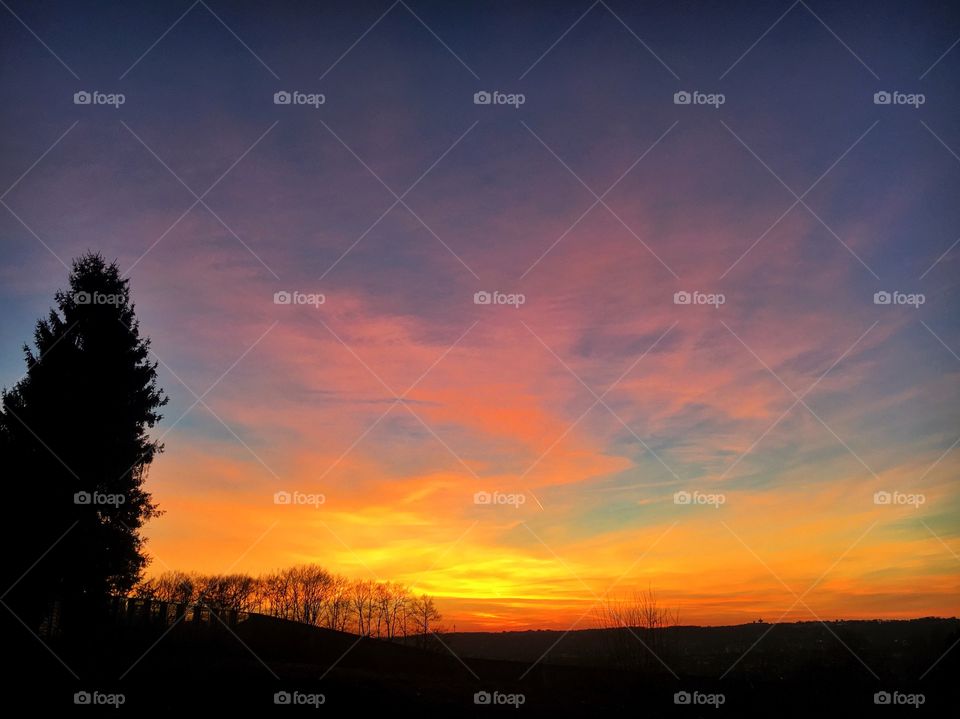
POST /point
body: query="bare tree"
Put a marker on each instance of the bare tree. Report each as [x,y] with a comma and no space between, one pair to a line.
[423,615]
[338,604]
[276,596]
[397,601]
[177,587]
[226,591]
[306,593]
[312,584]
[638,630]
[362,596]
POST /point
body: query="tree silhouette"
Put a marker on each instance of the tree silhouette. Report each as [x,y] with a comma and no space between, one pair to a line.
[305,593]
[73,437]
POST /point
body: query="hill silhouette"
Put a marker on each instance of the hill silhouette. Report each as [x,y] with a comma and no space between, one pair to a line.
[245,665]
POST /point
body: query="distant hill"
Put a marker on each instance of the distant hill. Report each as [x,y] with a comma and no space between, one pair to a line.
[900,647]
[243,668]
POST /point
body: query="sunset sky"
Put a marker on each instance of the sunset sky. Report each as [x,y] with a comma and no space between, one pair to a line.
[597,199]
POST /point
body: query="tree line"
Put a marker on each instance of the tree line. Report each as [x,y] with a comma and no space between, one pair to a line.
[305,593]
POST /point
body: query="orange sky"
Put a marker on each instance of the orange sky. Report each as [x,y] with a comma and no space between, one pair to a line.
[499,413]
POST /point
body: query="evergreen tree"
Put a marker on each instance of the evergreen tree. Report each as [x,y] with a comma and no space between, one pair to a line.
[74,442]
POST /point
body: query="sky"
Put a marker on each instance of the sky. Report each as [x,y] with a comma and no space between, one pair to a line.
[587,401]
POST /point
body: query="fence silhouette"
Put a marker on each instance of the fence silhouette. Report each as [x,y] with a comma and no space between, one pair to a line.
[143,613]
[152,612]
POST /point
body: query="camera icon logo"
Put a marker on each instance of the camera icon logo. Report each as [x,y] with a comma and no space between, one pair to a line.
[82,498]
[881,298]
[482,498]
[482,98]
[681,698]
[82,298]
[482,298]
[881,698]
[681,298]
[282,698]
[482,698]
[882,497]
[282,497]
[682,98]
[82,698]
[282,298]
[682,497]
[882,98]
[282,98]
[82,98]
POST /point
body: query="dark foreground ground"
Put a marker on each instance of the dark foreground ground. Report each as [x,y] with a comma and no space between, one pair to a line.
[794,670]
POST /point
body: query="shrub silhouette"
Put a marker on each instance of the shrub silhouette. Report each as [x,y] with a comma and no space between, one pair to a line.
[75,449]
